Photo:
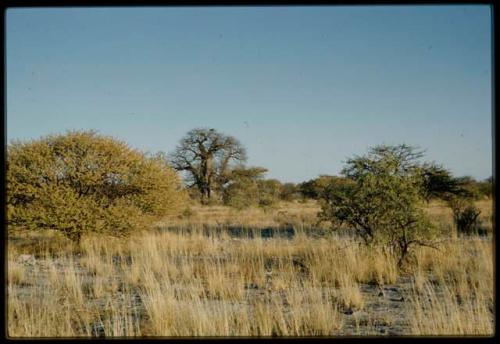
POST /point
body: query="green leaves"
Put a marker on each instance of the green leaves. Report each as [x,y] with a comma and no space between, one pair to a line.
[242,190]
[83,182]
[247,187]
[383,199]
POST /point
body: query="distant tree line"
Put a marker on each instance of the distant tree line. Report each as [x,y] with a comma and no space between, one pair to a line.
[215,172]
[379,195]
[82,182]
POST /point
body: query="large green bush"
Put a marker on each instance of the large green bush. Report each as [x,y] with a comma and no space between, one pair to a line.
[83,182]
[382,199]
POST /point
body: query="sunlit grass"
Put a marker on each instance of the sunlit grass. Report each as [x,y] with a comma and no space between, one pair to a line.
[186,283]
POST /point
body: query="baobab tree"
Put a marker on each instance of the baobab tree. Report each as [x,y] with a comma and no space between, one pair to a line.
[207,157]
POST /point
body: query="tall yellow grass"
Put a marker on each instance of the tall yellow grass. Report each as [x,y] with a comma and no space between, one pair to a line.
[185,283]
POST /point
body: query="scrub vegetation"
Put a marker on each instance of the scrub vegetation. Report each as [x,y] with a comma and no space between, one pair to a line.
[105,241]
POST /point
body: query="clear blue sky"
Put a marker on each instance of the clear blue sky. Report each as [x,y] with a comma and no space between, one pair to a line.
[303,88]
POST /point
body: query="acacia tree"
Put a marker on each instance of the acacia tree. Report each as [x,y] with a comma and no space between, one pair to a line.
[459,194]
[207,157]
[382,199]
[242,190]
[269,192]
[315,187]
[438,182]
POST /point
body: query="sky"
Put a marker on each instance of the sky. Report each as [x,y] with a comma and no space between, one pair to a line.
[302,88]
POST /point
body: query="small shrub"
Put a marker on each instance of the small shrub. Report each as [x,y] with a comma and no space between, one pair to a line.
[465,216]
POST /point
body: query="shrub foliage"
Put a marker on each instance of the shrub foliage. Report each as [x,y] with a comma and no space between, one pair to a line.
[382,200]
[465,215]
[82,182]
[243,189]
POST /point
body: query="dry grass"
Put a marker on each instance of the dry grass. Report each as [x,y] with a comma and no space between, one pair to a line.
[453,292]
[185,283]
[442,215]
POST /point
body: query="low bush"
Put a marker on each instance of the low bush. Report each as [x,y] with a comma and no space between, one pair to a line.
[465,216]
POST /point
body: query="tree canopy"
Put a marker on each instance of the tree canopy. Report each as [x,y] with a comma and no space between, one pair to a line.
[382,200]
[207,156]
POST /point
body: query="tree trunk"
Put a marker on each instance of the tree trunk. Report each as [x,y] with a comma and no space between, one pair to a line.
[206,166]
[204,194]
